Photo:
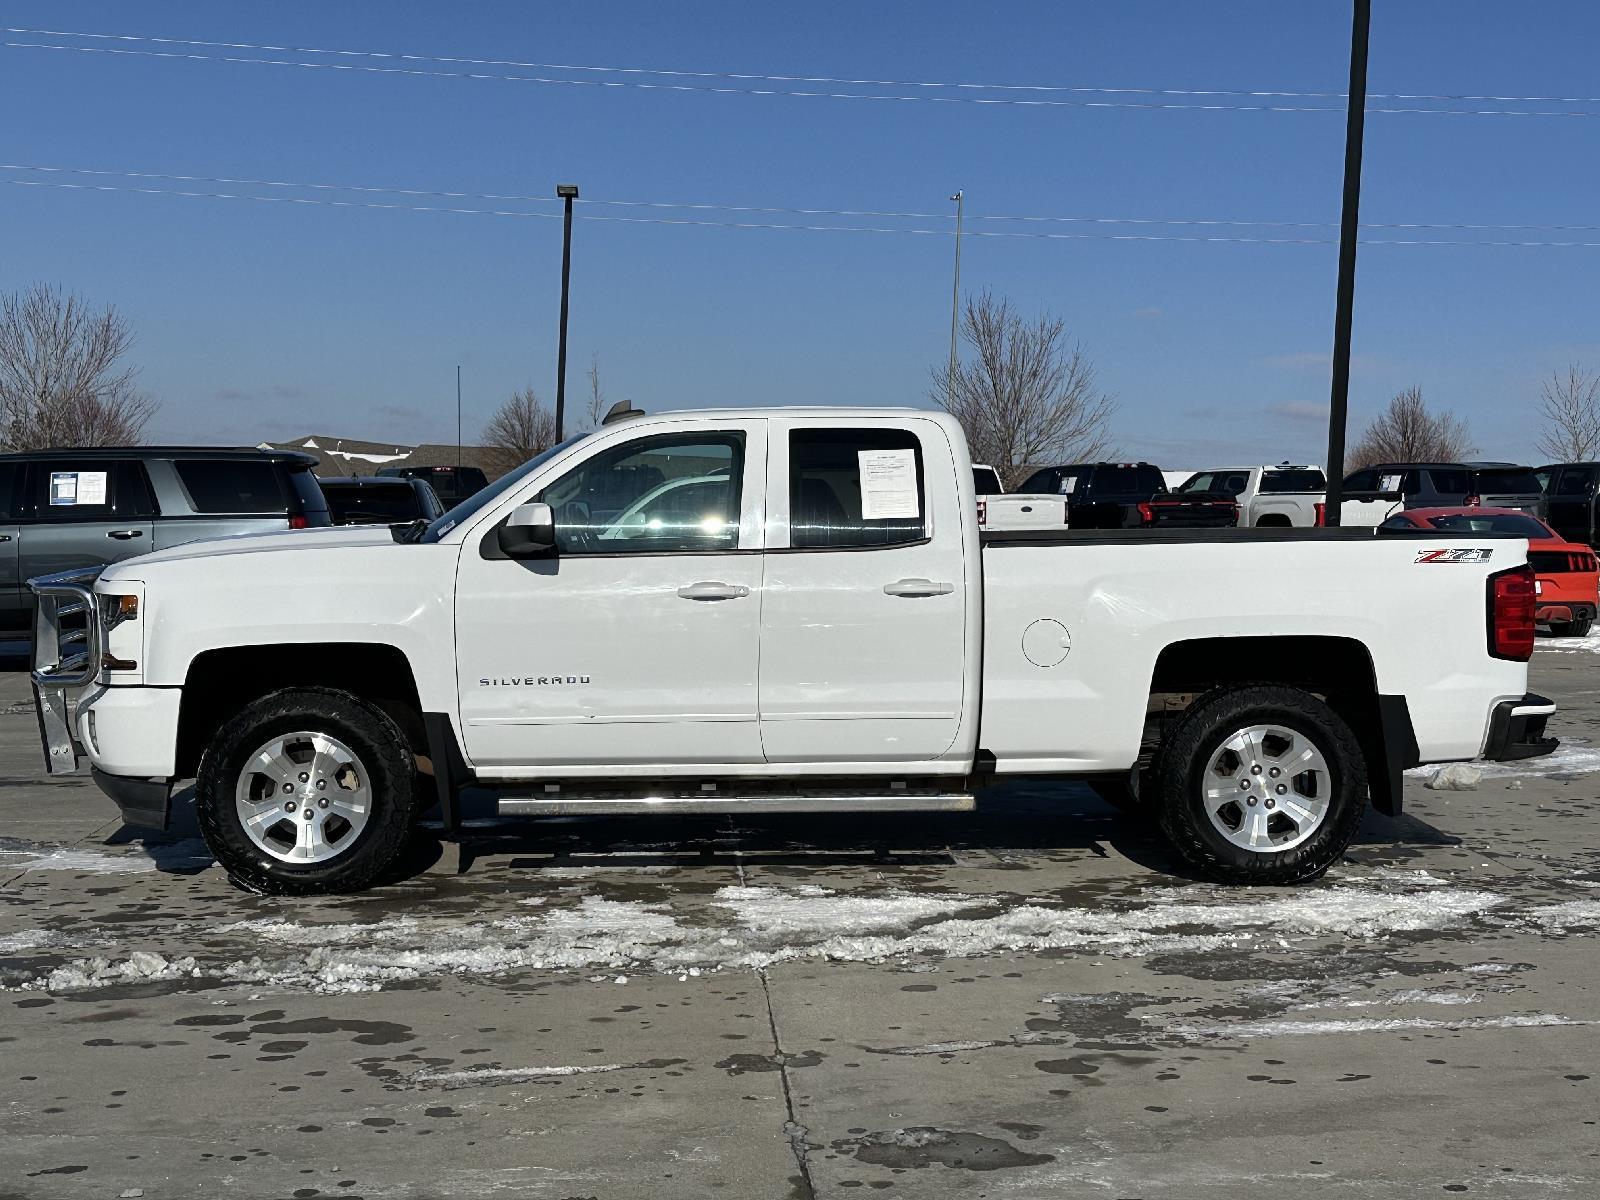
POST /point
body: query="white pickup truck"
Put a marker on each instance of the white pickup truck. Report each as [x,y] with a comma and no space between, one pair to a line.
[781,610]
[1281,495]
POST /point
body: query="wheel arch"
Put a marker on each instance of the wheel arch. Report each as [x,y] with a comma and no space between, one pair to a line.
[221,682]
[1339,669]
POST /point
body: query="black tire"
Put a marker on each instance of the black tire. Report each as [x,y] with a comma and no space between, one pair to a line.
[1578,628]
[1185,759]
[383,753]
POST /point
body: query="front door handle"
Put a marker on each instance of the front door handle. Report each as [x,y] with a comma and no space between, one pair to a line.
[123,535]
[5,537]
[918,587]
[713,590]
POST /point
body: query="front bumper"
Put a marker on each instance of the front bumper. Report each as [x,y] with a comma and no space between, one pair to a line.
[1516,729]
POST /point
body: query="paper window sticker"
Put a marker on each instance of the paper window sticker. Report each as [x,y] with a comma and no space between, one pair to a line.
[92,487]
[1069,484]
[1389,483]
[63,487]
[888,484]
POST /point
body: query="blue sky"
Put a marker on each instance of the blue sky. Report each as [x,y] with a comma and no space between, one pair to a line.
[267,319]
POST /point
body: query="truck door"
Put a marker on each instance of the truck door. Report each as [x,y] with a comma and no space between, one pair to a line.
[864,639]
[1571,501]
[636,642]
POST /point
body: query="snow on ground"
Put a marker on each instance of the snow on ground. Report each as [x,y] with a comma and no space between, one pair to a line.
[755,927]
[19,856]
[1575,756]
[1566,645]
[1247,1030]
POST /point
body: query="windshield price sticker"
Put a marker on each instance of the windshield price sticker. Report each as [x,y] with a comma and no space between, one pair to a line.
[888,484]
[1389,483]
[77,487]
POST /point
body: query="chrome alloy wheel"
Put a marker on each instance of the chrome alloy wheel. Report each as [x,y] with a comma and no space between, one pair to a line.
[1267,788]
[303,797]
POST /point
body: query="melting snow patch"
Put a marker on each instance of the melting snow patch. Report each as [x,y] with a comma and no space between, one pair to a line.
[1245,1030]
[31,939]
[1572,757]
[142,966]
[1564,645]
[16,855]
[1558,918]
[1401,996]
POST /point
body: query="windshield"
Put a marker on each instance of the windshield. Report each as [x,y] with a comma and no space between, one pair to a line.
[1490,523]
[489,495]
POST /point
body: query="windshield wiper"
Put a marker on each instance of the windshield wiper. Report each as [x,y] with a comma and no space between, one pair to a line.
[410,531]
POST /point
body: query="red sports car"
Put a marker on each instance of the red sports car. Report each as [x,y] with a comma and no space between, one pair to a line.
[1568,583]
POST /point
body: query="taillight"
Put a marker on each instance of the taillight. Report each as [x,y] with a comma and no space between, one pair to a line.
[1147,515]
[298,521]
[1322,514]
[1511,608]
[983,511]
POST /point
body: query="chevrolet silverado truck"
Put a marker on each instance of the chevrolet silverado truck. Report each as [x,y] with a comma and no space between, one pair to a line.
[777,610]
[1282,495]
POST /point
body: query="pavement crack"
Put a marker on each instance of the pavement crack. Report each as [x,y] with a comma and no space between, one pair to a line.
[792,1129]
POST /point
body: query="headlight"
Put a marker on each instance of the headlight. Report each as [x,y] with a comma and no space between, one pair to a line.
[121,651]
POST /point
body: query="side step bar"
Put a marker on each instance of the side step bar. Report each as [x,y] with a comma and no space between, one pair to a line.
[588,803]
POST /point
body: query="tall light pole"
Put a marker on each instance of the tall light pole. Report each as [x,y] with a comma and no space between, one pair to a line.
[569,193]
[955,300]
[1349,228]
[458,416]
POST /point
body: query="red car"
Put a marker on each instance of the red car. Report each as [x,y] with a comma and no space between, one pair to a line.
[1566,571]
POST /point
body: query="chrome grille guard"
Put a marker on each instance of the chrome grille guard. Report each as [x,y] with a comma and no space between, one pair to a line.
[64,658]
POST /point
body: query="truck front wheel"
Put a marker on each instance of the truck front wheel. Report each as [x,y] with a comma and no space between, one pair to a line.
[307,791]
[1261,785]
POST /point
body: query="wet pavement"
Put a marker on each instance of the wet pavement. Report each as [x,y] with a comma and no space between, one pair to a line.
[1027,1001]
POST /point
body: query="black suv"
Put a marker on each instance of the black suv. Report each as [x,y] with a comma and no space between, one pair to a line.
[1415,485]
[371,500]
[64,509]
[1129,496]
[453,484]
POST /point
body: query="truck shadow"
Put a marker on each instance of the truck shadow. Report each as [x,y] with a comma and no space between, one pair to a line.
[1014,825]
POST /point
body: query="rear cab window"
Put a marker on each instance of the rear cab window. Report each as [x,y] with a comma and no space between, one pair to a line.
[855,488]
[1293,480]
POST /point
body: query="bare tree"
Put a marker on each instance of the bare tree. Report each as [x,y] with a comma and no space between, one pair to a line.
[62,378]
[597,398]
[1407,432]
[519,429]
[1025,395]
[1570,405]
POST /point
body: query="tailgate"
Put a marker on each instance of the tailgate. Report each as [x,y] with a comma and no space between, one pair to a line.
[1192,513]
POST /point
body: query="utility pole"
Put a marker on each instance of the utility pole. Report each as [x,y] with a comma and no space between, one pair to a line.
[569,193]
[955,299]
[458,416]
[1349,229]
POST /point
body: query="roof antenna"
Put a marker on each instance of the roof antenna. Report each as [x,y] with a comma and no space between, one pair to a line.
[622,410]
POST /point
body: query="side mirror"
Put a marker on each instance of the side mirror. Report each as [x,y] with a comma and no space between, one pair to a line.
[528,532]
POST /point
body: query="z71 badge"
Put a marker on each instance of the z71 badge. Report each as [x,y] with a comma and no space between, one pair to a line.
[1454,556]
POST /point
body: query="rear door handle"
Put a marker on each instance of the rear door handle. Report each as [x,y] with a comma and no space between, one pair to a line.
[5,537]
[123,535]
[713,590]
[918,587]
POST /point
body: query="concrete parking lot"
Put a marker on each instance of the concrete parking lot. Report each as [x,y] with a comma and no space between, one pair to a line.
[1029,1001]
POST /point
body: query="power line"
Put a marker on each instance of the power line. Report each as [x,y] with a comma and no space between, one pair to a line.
[775,91]
[684,221]
[827,79]
[777,209]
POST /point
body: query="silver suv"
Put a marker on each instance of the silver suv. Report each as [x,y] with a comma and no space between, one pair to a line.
[65,509]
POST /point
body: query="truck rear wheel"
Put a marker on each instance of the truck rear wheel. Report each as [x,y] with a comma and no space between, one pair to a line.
[1261,785]
[307,791]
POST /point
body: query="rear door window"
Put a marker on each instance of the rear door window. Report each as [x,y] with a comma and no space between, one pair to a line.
[231,485]
[1118,481]
[855,488]
[1453,482]
[1361,481]
[1575,481]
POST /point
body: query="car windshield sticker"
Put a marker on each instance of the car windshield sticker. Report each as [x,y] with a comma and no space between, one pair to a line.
[1069,484]
[1389,483]
[77,487]
[888,484]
